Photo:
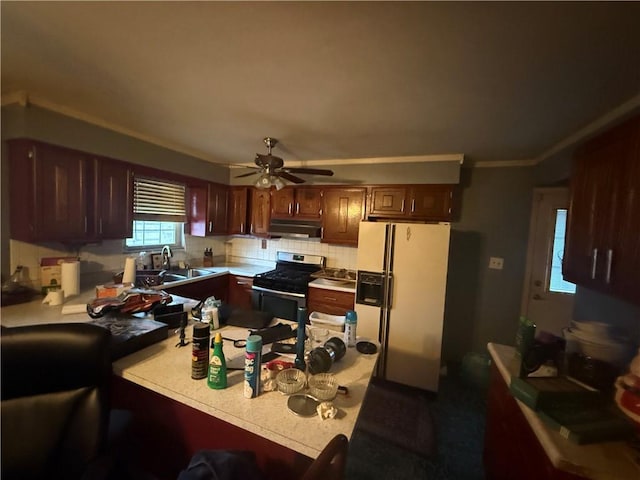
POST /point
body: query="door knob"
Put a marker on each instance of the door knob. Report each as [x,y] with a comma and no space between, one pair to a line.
[537,297]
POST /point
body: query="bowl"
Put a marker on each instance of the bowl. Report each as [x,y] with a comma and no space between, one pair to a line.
[323,386]
[290,380]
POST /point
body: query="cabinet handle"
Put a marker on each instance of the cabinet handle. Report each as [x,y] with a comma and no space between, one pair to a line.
[242,283]
[242,227]
[210,227]
[594,263]
[413,205]
[290,208]
[609,260]
[402,206]
[333,299]
[85,224]
[100,227]
[297,208]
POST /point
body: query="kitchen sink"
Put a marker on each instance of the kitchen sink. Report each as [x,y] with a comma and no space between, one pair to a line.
[335,283]
[184,274]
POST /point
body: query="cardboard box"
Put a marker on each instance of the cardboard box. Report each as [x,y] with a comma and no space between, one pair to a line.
[51,272]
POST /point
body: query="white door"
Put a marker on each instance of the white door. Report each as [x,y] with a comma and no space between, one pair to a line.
[547,297]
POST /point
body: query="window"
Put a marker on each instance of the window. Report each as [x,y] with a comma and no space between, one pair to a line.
[155,234]
[158,213]
[557,282]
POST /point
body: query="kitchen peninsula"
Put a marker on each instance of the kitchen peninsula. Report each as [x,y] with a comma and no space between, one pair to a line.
[518,444]
[174,415]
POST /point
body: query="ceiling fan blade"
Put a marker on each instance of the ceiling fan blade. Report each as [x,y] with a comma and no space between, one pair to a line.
[288,176]
[310,171]
[247,174]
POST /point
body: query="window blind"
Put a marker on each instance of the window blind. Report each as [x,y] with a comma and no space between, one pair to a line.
[158,200]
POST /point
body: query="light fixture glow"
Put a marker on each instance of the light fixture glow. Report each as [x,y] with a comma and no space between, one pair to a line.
[265,181]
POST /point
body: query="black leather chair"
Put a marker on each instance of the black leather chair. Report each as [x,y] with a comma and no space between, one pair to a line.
[55,401]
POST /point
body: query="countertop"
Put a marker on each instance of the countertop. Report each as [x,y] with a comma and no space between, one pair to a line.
[340,286]
[166,370]
[240,269]
[599,461]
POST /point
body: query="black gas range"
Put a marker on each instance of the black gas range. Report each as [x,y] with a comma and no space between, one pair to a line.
[283,290]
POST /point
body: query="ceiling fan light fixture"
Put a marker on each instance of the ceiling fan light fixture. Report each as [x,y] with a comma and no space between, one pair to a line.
[277,182]
[264,181]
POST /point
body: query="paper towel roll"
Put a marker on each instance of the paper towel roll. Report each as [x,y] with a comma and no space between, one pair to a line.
[70,278]
[129,275]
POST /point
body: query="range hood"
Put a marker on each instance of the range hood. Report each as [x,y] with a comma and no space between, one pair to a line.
[294,228]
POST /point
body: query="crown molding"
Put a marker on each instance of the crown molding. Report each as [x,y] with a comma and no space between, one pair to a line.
[594,127]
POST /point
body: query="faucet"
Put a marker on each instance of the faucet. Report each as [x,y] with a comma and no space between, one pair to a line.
[166,255]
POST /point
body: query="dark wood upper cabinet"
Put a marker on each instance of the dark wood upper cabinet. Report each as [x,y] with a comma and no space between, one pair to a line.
[260,212]
[114,198]
[207,214]
[217,209]
[342,212]
[49,192]
[296,202]
[416,202]
[602,250]
[238,210]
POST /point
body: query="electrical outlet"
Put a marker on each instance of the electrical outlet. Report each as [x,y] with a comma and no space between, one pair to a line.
[496,263]
[264,244]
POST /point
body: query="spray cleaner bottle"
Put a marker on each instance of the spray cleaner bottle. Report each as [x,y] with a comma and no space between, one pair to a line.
[217,378]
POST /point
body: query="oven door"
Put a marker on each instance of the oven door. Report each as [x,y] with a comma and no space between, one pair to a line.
[279,304]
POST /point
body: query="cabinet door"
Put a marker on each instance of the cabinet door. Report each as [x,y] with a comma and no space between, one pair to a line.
[260,211]
[217,209]
[238,210]
[601,212]
[308,202]
[388,201]
[198,205]
[431,202]
[114,199]
[217,287]
[342,212]
[282,203]
[240,291]
[61,195]
[622,259]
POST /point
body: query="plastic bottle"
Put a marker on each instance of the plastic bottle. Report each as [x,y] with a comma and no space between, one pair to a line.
[525,335]
[210,312]
[252,362]
[217,378]
[350,324]
[200,351]
[300,361]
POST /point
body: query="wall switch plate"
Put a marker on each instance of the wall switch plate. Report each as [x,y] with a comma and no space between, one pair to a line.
[263,245]
[496,263]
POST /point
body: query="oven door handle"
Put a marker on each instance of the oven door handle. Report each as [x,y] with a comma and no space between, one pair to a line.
[278,292]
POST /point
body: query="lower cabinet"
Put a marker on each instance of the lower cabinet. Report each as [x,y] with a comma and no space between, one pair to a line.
[333,302]
[511,449]
[240,291]
[164,434]
[200,290]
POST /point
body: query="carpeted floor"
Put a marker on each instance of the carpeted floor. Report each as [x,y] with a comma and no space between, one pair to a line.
[386,451]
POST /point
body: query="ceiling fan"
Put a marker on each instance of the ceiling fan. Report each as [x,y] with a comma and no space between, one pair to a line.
[272,170]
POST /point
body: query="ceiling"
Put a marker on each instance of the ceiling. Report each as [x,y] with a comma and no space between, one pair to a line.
[331,80]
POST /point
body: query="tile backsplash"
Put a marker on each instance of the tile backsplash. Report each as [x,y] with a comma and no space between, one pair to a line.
[100,261]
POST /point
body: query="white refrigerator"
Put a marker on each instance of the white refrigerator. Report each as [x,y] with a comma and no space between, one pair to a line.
[402,278]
